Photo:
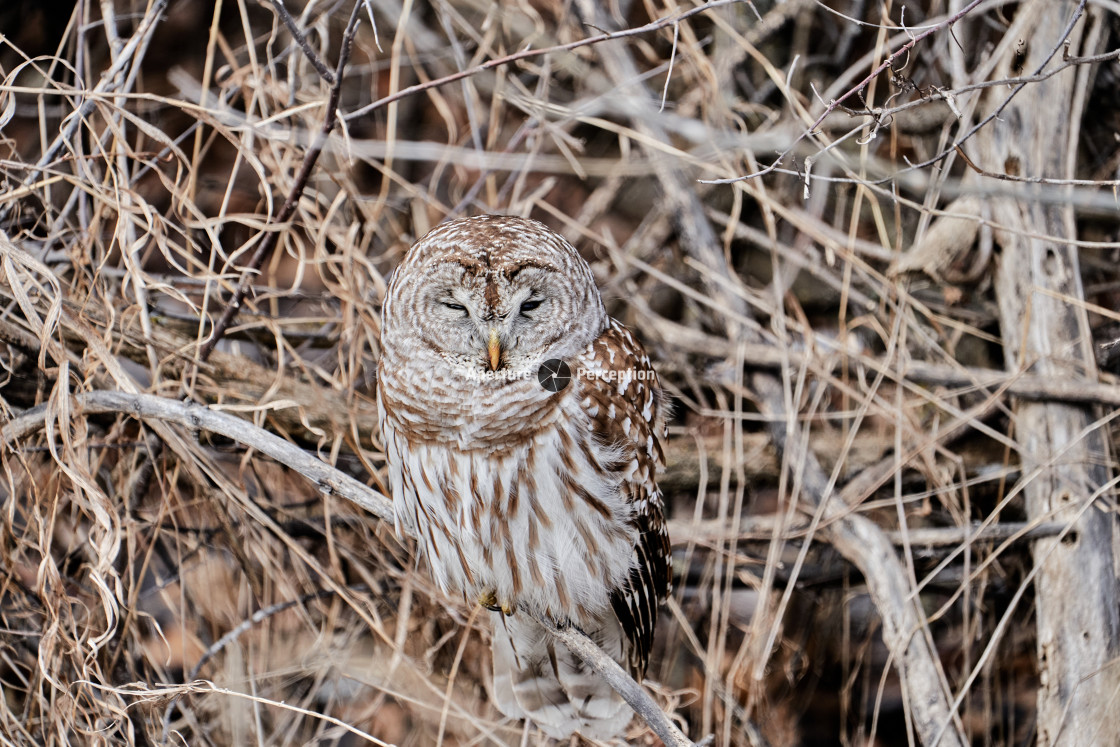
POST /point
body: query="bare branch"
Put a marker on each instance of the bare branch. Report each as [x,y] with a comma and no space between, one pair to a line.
[328,481]
[301,39]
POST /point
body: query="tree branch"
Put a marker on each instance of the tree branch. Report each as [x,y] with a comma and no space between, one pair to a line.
[301,39]
[329,481]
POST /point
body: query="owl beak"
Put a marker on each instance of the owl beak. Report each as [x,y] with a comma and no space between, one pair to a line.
[495,349]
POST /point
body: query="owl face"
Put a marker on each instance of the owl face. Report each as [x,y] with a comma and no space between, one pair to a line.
[493,297]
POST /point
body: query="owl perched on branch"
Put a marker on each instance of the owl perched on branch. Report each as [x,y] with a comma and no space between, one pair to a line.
[526,494]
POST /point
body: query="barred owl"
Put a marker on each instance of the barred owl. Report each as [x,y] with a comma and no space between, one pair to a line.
[526,495]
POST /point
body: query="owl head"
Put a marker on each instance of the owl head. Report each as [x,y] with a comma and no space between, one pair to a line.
[492,297]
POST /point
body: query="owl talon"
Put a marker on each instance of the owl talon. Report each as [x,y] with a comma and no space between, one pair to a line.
[489,600]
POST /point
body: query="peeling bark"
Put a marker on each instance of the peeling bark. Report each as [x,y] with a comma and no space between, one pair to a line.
[1065,460]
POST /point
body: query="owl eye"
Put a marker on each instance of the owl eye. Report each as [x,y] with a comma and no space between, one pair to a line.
[454,306]
[530,305]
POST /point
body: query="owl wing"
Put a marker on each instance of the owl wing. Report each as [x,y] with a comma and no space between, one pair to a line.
[623,397]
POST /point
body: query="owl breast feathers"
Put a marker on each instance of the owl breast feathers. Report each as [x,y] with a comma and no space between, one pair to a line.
[522,497]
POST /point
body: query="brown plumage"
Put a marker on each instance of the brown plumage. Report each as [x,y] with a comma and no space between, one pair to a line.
[522,497]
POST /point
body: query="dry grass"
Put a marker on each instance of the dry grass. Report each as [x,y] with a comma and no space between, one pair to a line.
[158,583]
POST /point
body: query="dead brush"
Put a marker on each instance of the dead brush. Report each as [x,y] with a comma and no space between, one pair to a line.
[872,253]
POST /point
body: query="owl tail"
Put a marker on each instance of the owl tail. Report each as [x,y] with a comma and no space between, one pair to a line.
[538,678]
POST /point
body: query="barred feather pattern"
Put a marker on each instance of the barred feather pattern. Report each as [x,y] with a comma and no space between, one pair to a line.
[522,498]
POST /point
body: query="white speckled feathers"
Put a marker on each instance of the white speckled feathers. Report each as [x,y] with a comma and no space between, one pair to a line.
[523,498]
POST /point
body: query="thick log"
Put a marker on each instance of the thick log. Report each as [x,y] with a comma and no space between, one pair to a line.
[1065,461]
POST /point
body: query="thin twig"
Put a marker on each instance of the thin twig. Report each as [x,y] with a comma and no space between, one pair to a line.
[110,81]
[526,54]
[301,39]
[955,147]
[238,630]
[996,111]
[764,527]
[272,236]
[835,103]
[763,356]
